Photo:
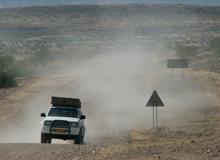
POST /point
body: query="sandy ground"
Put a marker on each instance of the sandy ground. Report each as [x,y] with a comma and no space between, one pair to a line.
[192,133]
[113,86]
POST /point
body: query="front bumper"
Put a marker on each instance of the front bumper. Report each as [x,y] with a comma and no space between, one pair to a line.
[73,131]
[59,136]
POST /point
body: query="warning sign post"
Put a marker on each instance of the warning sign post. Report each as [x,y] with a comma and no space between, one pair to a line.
[154,102]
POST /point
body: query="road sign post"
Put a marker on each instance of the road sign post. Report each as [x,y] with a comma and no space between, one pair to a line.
[155,101]
[177,63]
[156,118]
[153,116]
[172,73]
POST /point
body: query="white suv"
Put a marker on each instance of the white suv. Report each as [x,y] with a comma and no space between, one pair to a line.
[64,120]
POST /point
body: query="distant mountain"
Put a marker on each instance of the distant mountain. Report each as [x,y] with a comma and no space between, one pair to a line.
[14,3]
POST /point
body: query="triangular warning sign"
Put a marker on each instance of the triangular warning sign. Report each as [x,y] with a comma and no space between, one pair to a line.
[155,101]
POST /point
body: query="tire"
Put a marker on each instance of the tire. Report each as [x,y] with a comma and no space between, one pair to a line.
[48,140]
[45,138]
[80,138]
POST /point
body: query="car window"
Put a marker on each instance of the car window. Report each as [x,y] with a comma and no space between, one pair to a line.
[63,112]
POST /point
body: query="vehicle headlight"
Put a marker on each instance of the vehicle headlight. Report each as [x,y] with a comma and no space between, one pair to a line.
[74,124]
[47,123]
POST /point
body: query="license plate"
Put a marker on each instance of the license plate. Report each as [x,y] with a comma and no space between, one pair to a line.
[59,130]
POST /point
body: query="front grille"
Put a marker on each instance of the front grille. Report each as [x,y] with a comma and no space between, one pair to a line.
[60,124]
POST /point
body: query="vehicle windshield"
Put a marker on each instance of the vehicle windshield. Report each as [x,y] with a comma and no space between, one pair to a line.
[63,112]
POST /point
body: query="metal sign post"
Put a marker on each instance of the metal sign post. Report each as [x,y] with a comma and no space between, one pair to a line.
[156,118]
[183,77]
[172,73]
[153,116]
[155,102]
[177,63]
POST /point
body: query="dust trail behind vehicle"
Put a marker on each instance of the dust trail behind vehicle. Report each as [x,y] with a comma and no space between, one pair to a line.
[114,87]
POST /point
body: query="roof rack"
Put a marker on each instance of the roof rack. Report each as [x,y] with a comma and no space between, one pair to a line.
[66,102]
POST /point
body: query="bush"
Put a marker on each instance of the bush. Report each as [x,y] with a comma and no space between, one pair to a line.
[214,45]
[41,53]
[186,50]
[7,80]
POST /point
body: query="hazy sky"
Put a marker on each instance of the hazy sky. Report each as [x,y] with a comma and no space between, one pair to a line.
[47,2]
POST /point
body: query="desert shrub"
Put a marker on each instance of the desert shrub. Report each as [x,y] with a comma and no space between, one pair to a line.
[214,45]
[21,69]
[41,53]
[186,50]
[5,63]
[7,78]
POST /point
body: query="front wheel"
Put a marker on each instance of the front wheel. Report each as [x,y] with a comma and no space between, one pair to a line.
[80,138]
[45,138]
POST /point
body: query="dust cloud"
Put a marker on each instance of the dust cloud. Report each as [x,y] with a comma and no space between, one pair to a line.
[114,87]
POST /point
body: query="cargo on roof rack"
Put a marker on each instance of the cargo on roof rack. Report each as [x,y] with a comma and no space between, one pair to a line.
[66,102]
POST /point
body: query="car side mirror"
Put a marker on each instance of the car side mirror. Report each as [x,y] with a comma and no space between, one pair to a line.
[43,115]
[82,117]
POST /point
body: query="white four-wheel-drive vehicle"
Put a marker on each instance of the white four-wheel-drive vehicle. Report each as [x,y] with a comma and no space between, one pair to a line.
[64,120]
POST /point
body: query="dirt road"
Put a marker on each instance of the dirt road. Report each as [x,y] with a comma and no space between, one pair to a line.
[147,147]
[117,129]
[113,58]
[114,93]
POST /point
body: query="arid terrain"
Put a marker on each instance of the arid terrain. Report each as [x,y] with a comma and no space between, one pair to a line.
[113,58]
